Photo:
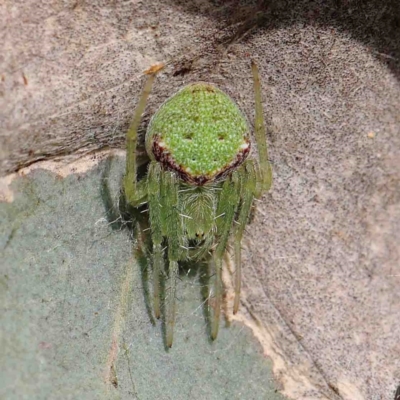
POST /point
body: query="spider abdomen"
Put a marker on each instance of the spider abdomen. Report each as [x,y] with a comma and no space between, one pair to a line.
[200,133]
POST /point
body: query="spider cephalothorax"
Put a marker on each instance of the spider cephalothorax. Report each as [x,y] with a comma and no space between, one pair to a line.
[199,186]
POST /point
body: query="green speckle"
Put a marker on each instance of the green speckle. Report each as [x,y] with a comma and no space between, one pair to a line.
[201,128]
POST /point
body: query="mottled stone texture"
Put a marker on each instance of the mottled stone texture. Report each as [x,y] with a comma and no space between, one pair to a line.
[322,267]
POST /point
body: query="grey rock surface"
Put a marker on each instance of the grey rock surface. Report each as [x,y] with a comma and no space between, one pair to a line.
[323,262]
[76,322]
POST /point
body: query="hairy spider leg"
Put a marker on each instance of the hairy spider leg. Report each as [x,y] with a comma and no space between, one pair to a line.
[176,249]
[248,185]
[155,216]
[165,223]
[265,171]
[256,178]
[227,207]
[135,192]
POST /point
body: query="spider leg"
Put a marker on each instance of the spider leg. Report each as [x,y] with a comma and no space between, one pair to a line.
[227,206]
[265,170]
[135,191]
[248,177]
[173,231]
[170,300]
[165,223]
[154,194]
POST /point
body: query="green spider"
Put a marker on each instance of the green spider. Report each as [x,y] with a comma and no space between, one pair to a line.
[199,185]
